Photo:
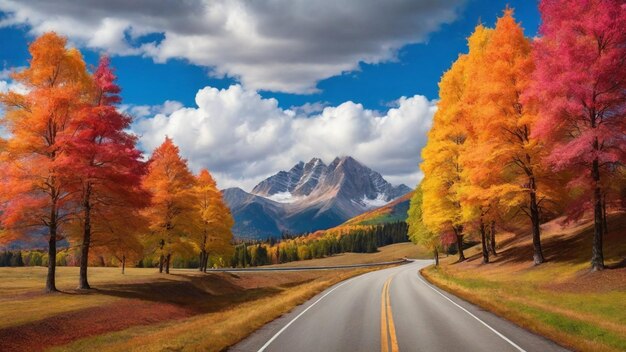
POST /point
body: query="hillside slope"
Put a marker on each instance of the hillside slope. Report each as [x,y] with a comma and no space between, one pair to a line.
[391,212]
[561,298]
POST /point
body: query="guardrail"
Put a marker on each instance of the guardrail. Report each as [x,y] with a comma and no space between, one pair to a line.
[401,261]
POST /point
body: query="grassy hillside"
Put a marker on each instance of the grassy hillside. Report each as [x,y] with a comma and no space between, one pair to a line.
[387,253]
[388,213]
[391,212]
[145,311]
[561,298]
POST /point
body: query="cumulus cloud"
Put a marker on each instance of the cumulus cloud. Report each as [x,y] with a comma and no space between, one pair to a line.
[242,137]
[279,45]
[141,111]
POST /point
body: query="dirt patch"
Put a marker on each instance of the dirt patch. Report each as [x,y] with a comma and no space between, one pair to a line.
[65,328]
[593,282]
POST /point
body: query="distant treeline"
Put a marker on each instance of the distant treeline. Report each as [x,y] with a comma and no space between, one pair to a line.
[257,253]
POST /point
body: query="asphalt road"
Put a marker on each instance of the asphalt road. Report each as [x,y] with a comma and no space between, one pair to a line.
[391,310]
[304,268]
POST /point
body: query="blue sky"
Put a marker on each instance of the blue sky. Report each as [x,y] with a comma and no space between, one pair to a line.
[152,75]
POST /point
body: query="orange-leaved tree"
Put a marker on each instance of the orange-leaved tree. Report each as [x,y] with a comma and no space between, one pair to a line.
[35,192]
[172,214]
[508,158]
[214,235]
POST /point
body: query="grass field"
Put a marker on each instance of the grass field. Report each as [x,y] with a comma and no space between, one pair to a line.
[387,253]
[560,299]
[145,311]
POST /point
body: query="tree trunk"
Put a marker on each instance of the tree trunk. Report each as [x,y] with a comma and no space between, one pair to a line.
[458,231]
[597,256]
[84,252]
[534,219]
[201,262]
[436,255]
[161,258]
[206,262]
[52,253]
[123,264]
[492,234]
[483,240]
[605,224]
[167,263]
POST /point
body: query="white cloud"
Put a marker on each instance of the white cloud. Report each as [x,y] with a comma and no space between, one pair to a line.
[280,45]
[242,137]
[141,111]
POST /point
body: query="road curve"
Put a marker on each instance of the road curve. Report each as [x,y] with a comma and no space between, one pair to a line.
[392,310]
[305,268]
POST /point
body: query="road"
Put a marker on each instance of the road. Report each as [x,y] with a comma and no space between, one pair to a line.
[391,310]
[304,268]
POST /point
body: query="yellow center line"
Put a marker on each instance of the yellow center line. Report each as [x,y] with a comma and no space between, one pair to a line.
[384,339]
[387,326]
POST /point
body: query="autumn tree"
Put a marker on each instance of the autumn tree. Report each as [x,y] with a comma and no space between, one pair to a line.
[418,232]
[41,123]
[476,205]
[214,233]
[504,159]
[172,214]
[104,164]
[442,169]
[580,85]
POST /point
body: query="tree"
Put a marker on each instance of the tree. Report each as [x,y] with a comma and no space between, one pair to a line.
[172,214]
[104,165]
[501,139]
[418,232]
[476,204]
[214,233]
[35,193]
[580,87]
[442,170]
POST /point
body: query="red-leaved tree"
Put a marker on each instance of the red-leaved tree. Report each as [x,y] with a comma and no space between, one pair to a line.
[579,87]
[106,169]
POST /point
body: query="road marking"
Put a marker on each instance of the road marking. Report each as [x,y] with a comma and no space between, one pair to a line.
[384,338]
[472,315]
[301,313]
[387,326]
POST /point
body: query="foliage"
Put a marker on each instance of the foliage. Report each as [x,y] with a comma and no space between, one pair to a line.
[172,214]
[362,240]
[579,86]
[214,231]
[418,233]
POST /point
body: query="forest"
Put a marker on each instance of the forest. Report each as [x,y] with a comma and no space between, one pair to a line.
[528,130]
[70,170]
[361,240]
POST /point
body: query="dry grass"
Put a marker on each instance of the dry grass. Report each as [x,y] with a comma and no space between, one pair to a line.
[387,253]
[559,299]
[214,331]
[187,308]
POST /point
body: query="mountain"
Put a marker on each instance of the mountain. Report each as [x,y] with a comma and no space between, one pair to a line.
[255,217]
[309,197]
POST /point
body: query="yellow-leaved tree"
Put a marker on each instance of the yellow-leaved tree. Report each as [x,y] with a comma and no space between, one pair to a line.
[214,236]
[441,167]
[418,232]
[477,209]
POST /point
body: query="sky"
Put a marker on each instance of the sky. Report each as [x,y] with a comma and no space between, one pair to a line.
[248,88]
